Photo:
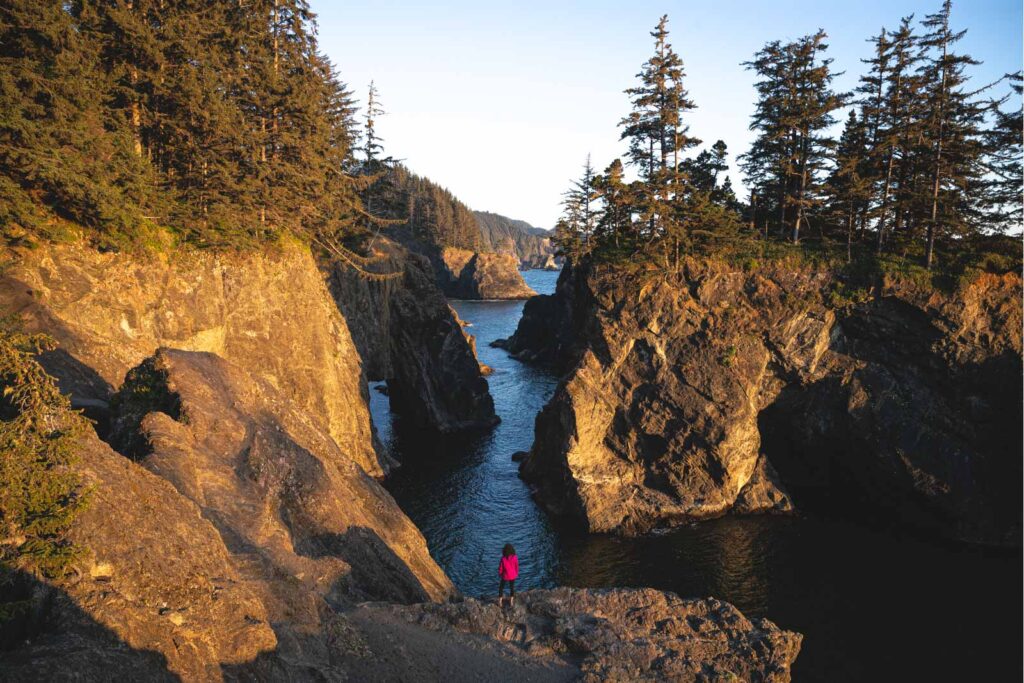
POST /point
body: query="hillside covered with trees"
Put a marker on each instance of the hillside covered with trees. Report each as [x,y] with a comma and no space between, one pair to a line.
[926,171]
[219,124]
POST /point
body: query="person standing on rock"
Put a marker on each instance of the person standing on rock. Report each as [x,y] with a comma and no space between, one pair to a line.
[508,571]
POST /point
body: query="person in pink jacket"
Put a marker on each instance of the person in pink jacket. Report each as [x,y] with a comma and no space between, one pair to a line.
[508,570]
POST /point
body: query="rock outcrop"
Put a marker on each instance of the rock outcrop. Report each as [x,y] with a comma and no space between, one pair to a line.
[616,635]
[231,549]
[267,311]
[530,245]
[723,388]
[156,595]
[288,500]
[463,274]
[408,335]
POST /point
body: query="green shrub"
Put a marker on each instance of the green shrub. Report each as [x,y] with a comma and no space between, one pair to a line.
[40,492]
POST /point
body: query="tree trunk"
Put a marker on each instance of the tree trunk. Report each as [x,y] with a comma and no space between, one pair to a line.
[930,249]
[802,189]
[849,233]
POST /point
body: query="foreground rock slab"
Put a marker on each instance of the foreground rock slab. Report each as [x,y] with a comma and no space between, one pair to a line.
[611,635]
[155,595]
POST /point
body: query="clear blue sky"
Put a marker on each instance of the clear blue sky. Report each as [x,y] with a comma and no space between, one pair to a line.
[501,102]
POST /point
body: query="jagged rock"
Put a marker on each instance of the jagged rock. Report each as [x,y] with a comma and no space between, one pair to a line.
[407,334]
[547,262]
[464,274]
[156,595]
[471,342]
[268,311]
[546,331]
[618,635]
[685,395]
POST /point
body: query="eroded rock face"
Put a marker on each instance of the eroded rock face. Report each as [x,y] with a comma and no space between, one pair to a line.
[408,335]
[621,634]
[269,312]
[464,274]
[156,596]
[720,389]
[301,517]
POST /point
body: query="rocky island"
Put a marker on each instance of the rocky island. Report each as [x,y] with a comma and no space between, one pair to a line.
[725,388]
[463,274]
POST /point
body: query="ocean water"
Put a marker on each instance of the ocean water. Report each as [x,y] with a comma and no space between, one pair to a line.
[873,604]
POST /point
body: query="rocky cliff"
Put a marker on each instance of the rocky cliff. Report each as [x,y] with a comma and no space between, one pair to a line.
[726,388]
[464,274]
[156,597]
[230,549]
[532,246]
[269,312]
[237,534]
[407,334]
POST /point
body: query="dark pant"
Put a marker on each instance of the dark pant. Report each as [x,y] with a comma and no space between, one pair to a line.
[511,588]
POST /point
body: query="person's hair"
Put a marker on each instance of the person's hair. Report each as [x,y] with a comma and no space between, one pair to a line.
[508,550]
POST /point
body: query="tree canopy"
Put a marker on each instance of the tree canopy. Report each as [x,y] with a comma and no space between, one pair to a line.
[927,167]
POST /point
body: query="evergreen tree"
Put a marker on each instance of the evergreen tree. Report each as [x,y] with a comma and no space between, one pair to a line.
[951,131]
[40,491]
[792,117]
[615,226]
[893,118]
[580,208]
[657,136]
[372,143]
[63,157]
[849,185]
[1004,162]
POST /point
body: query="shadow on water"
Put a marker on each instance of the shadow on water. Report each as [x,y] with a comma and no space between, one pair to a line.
[872,604]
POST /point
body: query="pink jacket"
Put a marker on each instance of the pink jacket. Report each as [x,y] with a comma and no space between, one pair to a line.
[508,568]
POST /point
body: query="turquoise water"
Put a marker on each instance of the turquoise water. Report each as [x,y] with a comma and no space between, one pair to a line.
[873,604]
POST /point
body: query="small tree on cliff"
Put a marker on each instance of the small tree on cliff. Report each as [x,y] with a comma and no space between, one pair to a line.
[39,490]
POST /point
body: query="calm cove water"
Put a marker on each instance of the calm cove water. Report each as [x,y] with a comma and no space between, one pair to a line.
[872,604]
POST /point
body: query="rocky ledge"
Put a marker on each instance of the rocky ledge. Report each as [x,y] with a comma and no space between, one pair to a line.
[724,388]
[464,274]
[609,635]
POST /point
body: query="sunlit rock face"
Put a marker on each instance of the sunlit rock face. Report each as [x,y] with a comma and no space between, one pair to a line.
[155,594]
[723,388]
[268,311]
[464,274]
